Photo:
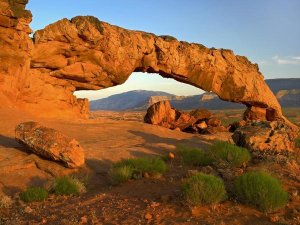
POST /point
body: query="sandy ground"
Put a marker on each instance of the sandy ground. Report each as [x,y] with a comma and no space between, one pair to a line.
[107,138]
[104,140]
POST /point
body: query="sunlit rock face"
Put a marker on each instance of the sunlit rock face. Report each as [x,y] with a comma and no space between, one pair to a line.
[86,54]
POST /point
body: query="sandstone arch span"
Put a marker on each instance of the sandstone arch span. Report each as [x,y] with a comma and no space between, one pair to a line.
[86,54]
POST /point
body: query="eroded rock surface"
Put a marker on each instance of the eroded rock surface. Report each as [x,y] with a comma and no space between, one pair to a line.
[266,136]
[50,144]
[92,55]
[86,54]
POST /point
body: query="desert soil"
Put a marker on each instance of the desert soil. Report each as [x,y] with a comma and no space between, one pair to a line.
[108,137]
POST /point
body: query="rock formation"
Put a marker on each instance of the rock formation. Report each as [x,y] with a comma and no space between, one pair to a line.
[86,54]
[197,121]
[265,136]
[50,144]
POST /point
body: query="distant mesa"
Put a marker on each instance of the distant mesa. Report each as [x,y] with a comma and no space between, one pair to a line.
[41,74]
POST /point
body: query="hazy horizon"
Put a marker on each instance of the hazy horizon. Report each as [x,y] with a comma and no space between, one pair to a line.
[265,31]
[130,86]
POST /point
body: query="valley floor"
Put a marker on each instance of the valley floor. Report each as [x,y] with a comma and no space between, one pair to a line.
[109,137]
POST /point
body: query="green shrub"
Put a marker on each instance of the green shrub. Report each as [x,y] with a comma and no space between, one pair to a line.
[168,38]
[203,189]
[134,168]
[67,186]
[121,174]
[297,143]
[262,190]
[229,153]
[194,156]
[34,194]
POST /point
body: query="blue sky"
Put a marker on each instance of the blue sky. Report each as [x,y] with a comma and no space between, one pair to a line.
[266,31]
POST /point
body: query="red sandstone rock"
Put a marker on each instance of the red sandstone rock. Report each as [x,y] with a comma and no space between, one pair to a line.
[161,114]
[184,121]
[255,113]
[51,144]
[213,122]
[201,114]
[86,54]
[266,136]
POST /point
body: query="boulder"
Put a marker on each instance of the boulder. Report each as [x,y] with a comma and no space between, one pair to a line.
[160,114]
[215,129]
[213,122]
[255,114]
[163,115]
[202,125]
[185,120]
[273,136]
[201,114]
[50,144]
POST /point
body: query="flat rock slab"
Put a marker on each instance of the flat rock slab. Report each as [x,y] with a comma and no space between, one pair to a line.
[50,144]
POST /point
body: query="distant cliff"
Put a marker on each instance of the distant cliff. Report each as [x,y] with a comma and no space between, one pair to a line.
[287,92]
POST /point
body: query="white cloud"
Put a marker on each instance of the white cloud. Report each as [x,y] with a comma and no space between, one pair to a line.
[287,60]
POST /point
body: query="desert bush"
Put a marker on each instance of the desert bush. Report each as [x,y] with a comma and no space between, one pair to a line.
[297,143]
[194,156]
[261,190]
[121,174]
[168,38]
[203,189]
[5,201]
[67,186]
[34,194]
[135,168]
[229,153]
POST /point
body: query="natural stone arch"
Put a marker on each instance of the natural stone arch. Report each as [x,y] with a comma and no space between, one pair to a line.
[90,55]
[40,75]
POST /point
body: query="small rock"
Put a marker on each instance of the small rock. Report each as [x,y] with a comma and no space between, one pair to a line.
[146,175]
[202,125]
[83,220]
[43,221]
[154,204]
[177,129]
[213,122]
[295,193]
[148,216]
[274,219]
[28,210]
[171,155]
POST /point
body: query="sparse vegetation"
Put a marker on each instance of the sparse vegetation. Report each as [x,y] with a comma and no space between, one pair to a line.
[135,168]
[34,194]
[194,156]
[261,190]
[229,153]
[203,189]
[5,201]
[168,38]
[121,174]
[67,186]
[297,143]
